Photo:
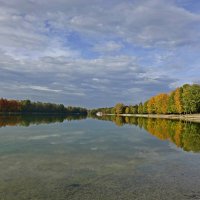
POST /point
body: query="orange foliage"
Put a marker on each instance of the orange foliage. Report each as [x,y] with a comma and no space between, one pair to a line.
[9,105]
[151,105]
[178,102]
[161,103]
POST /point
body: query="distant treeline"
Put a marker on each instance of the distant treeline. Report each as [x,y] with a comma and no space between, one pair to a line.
[26,106]
[182,100]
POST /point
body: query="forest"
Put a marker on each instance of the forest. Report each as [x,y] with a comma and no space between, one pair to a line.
[26,106]
[182,100]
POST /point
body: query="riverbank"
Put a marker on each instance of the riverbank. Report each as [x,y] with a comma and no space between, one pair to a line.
[187,117]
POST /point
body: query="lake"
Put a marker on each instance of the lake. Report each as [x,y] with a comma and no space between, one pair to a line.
[113,158]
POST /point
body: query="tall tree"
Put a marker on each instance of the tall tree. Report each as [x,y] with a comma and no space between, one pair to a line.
[191,98]
[171,104]
[140,108]
[178,100]
[151,108]
[127,110]
[161,103]
[145,107]
[119,108]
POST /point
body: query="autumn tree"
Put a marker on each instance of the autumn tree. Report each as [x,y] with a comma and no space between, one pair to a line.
[151,109]
[26,106]
[171,103]
[161,103]
[119,108]
[178,100]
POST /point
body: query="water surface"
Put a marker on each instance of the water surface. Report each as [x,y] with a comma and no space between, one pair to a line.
[60,158]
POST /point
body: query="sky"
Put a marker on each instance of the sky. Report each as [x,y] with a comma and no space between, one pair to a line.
[96,53]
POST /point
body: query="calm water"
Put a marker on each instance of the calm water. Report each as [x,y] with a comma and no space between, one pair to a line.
[54,158]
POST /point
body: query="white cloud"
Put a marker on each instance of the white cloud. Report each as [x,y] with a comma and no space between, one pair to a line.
[147,23]
[39,88]
[107,47]
[94,48]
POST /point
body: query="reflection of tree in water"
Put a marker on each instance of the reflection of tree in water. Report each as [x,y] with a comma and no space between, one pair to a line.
[26,120]
[119,121]
[185,135]
[158,127]
[191,137]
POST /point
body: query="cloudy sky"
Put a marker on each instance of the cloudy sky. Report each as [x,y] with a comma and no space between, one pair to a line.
[96,53]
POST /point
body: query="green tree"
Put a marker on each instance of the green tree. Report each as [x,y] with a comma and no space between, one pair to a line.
[171,104]
[127,110]
[134,109]
[191,98]
[145,107]
[140,108]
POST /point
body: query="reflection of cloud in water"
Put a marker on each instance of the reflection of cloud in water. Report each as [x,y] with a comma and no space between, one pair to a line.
[70,137]
[148,155]
[116,166]
[77,133]
[174,147]
[42,137]
[94,148]
[53,143]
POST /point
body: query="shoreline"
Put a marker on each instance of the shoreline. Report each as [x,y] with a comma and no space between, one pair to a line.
[187,117]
